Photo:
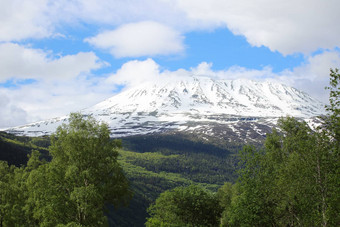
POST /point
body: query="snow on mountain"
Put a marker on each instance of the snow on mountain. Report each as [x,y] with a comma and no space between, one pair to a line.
[192,104]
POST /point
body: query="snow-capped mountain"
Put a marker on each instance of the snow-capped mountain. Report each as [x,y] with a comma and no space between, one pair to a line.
[193,104]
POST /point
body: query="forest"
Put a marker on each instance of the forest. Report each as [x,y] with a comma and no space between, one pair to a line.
[81,177]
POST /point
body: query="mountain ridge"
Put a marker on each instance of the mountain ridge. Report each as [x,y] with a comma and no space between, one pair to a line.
[194,104]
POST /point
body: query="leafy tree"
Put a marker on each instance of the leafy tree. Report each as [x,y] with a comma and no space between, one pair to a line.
[253,202]
[333,122]
[332,141]
[82,177]
[6,196]
[185,206]
[12,196]
[225,195]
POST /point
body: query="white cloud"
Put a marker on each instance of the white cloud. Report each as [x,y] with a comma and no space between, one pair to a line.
[25,105]
[287,26]
[145,38]
[21,19]
[118,12]
[10,114]
[313,76]
[234,72]
[135,72]
[62,84]
[21,62]
[47,99]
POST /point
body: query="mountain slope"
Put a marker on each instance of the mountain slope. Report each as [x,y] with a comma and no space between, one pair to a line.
[194,104]
[207,96]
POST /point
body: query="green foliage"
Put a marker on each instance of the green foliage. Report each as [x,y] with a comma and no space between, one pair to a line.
[334,88]
[185,206]
[13,196]
[254,206]
[225,195]
[332,120]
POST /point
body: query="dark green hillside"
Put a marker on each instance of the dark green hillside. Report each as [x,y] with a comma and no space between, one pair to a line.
[14,149]
[179,153]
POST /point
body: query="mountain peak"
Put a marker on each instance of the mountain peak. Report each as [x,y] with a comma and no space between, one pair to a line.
[177,101]
[238,97]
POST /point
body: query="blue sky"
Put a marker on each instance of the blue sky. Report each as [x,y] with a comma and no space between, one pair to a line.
[61,56]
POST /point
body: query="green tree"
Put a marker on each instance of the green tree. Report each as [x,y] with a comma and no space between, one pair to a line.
[12,196]
[331,139]
[254,200]
[225,195]
[332,121]
[185,206]
[297,175]
[82,178]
